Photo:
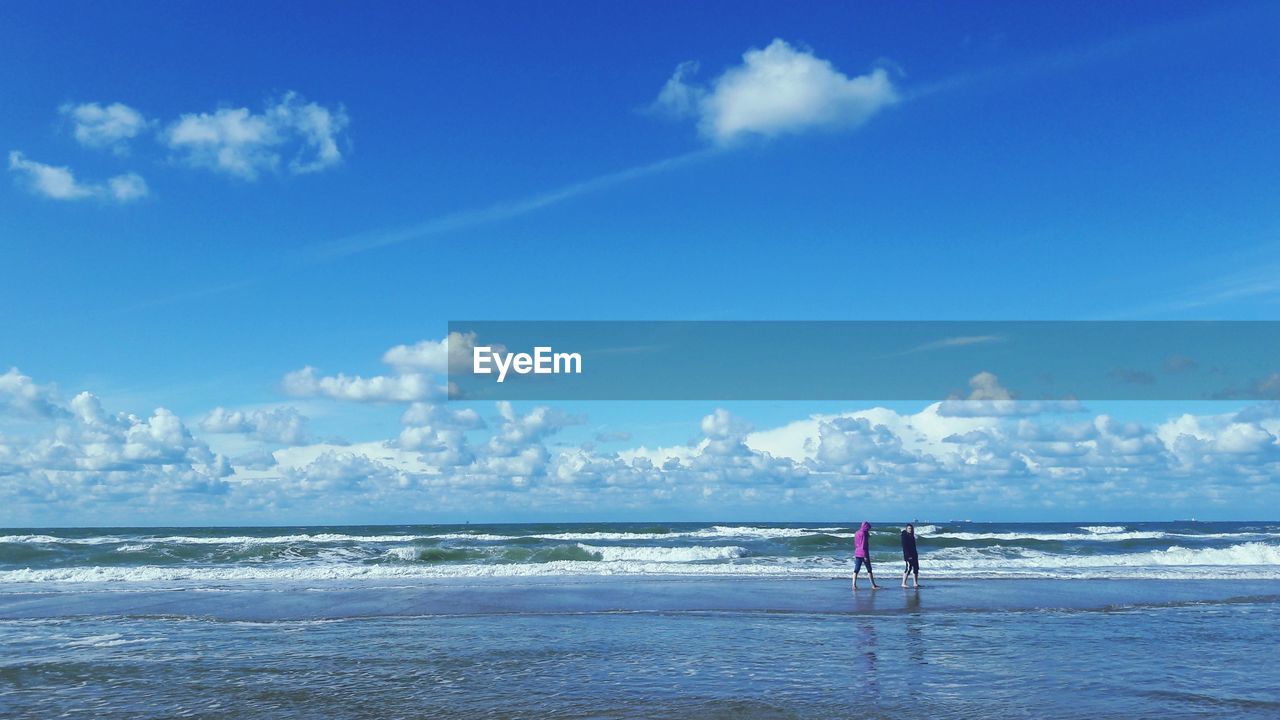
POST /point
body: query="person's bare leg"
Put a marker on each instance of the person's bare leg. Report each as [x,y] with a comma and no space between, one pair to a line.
[855,579]
[871,574]
[905,573]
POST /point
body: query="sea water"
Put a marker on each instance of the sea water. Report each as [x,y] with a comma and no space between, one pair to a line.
[640,620]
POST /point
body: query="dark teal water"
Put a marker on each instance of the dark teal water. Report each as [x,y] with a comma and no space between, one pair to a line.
[202,555]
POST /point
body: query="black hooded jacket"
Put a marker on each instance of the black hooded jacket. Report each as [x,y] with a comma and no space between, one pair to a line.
[908,545]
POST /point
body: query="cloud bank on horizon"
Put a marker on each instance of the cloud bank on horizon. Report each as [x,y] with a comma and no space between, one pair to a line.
[74,459]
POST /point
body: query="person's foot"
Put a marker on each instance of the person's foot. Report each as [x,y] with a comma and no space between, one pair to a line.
[875,587]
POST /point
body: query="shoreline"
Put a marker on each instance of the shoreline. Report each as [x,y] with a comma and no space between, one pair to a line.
[453,597]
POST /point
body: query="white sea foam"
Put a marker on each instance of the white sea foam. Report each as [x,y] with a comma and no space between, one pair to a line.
[1252,554]
[33,539]
[715,532]
[404,552]
[108,640]
[1062,537]
[478,537]
[695,553]
[1103,529]
[1092,532]
[1252,559]
[589,536]
[223,540]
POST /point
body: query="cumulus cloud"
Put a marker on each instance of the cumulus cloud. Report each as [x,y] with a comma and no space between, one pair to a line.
[988,398]
[104,126]
[411,387]
[856,445]
[518,431]
[418,370]
[88,458]
[336,471]
[284,425]
[22,397]
[776,90]
[434,356]
[291,135]
[439,433]
[452,457]
[59,182]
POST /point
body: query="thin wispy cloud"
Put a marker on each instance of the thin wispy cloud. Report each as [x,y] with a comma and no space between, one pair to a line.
[1071,58]
[1258,283]
[497,212]
[953,342]
[776,90]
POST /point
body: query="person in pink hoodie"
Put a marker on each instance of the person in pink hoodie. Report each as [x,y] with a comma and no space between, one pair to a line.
[862,555]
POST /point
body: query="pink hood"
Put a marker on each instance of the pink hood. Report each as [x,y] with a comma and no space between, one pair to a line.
[860,540]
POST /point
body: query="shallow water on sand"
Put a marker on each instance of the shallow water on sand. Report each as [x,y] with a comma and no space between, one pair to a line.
[654,647]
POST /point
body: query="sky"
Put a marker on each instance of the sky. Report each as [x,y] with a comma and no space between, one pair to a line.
[234,234]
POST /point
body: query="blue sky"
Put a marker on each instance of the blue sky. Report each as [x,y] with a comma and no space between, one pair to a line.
[258,190]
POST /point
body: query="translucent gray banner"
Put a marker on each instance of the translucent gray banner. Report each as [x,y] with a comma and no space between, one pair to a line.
[978,361]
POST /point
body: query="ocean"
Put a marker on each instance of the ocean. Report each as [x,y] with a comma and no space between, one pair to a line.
[627,620]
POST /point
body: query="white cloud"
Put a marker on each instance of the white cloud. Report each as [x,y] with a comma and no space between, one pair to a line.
[433,355]
[439,433]
[292,134]
[777,90]
[988,398]
[678,97]
[21,396]
[109,126]
[856,445]
[343,471]
[129,186]
[446,458]
[518,432]
[283,425]
[410,387]
[955,342]
[412,381]
[88,459]
[985,386]
[59,182]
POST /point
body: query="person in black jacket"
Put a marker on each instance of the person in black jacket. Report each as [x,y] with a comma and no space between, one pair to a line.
[910,555]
